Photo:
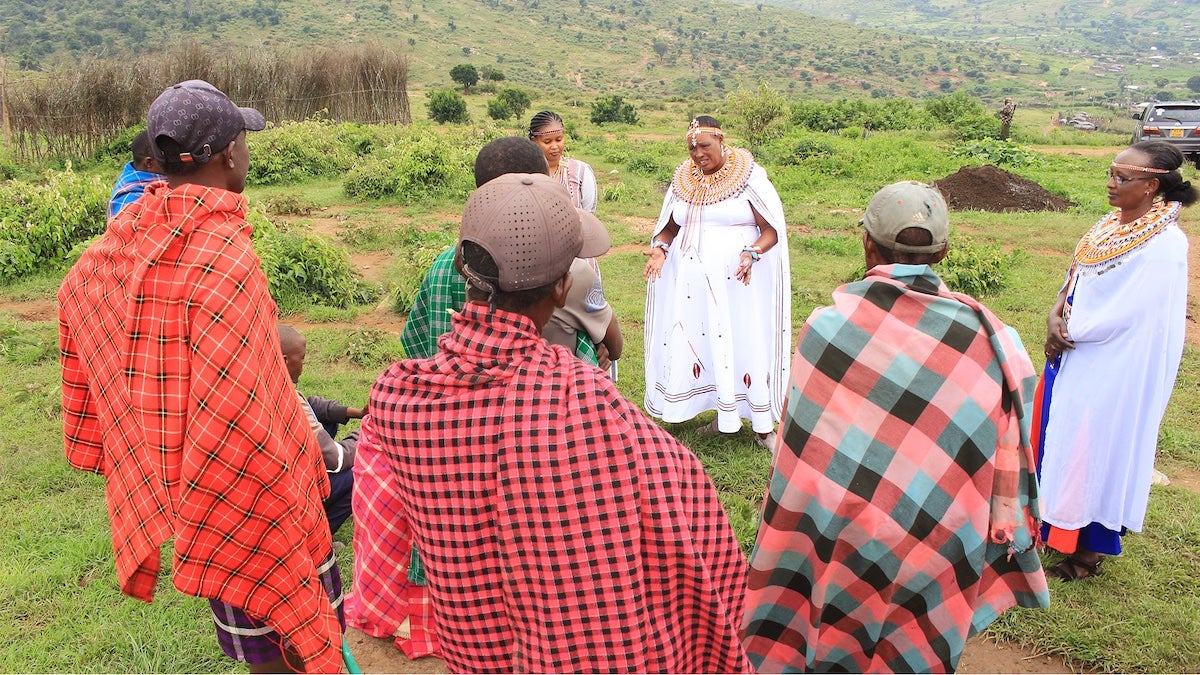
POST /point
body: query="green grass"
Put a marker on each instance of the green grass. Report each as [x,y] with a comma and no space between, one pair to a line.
[59,606]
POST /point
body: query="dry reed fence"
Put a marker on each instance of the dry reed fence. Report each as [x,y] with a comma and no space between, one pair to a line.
[72,113]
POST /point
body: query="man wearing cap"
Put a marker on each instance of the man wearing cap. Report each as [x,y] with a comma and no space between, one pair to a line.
[175,390]
[586,323]
[560,529]
[901,513]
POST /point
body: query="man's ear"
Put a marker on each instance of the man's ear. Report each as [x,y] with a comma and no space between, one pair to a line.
[561,288]
[941,255]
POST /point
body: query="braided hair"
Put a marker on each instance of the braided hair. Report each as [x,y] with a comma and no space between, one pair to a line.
[1171,186]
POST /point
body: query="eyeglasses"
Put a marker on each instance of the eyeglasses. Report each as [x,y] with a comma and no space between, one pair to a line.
[1121,180]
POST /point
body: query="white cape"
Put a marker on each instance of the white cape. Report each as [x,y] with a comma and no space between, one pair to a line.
[711,342]
[1112,389]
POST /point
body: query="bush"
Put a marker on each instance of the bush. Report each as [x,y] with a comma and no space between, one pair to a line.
[757,113]
[303,269]
[613,109]
[974,269]
[41,223]
[446,106]
[997,152]
[297,151]
[805,149]
[652,165]
[510,103]
[289,204]
[422,167]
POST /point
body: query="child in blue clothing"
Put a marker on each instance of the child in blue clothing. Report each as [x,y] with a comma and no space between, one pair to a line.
[136,175]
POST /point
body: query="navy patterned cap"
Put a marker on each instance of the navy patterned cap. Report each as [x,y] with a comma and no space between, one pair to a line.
[200,118]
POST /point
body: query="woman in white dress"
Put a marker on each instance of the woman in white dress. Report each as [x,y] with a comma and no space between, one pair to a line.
[1113,344]
[718,302]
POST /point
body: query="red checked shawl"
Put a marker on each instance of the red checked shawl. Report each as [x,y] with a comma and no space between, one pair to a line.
[902,511]
[383,597]
[561,530]
[174,389]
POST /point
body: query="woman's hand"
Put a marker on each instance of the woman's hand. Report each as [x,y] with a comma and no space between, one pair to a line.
[1057,338]
[654,265]
[745,264]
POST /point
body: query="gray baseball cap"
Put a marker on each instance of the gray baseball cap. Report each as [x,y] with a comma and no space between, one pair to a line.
[906,204]
[200,118]
[528,225]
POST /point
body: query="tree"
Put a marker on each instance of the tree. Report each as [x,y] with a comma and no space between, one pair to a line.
[509,103]
[613,109]
[466,75]
[1193,83]
[660,47]
[445,105]
[756,113]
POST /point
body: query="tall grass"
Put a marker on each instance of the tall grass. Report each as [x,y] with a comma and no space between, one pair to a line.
[70,112]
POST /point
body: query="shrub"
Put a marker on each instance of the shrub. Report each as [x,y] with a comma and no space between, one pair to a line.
[298,151]
[652,165]
[446,106]
[614,192]
[422,167]
[613,109]
[303,268]
[975,127]
[41,223]
[974,269]
[805,149]
[757,113]
[996,151]
[289,204]
[367,348]
[510,103]
[419,250]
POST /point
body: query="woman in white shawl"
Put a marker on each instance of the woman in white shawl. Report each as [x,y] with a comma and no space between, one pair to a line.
[718,302]
[1113,344]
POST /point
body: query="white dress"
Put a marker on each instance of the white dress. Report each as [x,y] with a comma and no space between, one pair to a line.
[711,342]
[1127,320]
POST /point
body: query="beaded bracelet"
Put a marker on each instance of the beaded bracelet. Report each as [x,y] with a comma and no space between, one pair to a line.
[754,251]
[659,243]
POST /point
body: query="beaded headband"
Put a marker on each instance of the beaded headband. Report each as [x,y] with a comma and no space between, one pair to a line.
[1135,167]
[546,132]
[694,130]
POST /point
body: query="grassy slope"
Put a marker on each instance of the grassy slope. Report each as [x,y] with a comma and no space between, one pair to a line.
[584,48]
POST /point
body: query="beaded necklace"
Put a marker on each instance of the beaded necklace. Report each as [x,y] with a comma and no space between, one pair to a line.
[1103,247]
[694,187]
[568,180]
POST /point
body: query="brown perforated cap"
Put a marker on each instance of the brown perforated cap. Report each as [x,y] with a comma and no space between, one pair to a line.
[528,225]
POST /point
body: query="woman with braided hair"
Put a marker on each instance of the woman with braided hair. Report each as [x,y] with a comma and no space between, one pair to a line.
[547,131]
[718,302]
[1113,344]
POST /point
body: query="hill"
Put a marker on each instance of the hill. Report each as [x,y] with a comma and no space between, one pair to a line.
[583,48]
[1131,50]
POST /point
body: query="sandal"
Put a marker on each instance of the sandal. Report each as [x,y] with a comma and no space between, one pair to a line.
[1072,568]
[767,441]
[709,429]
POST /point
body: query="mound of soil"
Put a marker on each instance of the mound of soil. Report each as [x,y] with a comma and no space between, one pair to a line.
[989,188]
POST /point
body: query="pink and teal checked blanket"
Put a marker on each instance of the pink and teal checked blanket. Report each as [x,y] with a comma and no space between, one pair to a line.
[902,510]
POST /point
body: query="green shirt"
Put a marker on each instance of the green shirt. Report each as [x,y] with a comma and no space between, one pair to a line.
[443,292]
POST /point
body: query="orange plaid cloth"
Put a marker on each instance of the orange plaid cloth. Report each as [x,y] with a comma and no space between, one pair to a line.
[174,389]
